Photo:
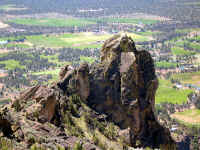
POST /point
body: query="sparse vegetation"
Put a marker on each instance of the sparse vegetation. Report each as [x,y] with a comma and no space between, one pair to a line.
[78,146]
[181,51]
[188,117]
[187,78]
[126,20]
[5,144]
[164,64]
[12,64]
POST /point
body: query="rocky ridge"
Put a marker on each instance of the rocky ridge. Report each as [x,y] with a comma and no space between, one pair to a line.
[109,105]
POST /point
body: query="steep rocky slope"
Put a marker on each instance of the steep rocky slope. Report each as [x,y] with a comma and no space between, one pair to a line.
[107,106]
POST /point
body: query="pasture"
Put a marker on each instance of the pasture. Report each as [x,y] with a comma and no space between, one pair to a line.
[77,40]
[12,64]
[166,93]
[53,22]
[180,51]
[188,78]
[188,117]
[54,59]
[11,7]
[126,20]
[165,64]
[54,73]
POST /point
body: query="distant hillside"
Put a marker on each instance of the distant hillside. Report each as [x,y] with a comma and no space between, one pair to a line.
[177,9]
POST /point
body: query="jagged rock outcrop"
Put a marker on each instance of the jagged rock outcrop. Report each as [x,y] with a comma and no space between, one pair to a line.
[121,89]
[124,86]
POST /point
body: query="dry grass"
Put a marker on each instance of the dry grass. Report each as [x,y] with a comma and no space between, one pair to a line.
[3,25]
[191,116]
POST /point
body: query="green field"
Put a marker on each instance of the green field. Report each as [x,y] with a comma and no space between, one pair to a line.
[181,43]
[12,38]
[13,45]
[126,20]
[12,64]
[79,40]
[180,51]
[188,78]
[74,40]
[187,30]
[7,7]
[54,73]
[197,38]
[164,64]
[53,22]
[188,117]
[147,33]
[54,59]
[87,59]
[166,93]
[11,7]
[194,45]
[192,3]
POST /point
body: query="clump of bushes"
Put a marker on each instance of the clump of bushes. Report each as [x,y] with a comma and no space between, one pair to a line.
[6,144]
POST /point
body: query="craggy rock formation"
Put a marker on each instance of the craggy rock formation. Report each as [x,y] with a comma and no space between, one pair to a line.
[121,89]
[124,86]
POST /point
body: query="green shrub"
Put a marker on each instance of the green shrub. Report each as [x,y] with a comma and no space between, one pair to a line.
[5,144]
[78,146]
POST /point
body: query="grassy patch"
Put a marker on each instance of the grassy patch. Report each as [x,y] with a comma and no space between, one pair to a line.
[12,64]
[126,20]
[87,59]
[54,59]
[11,7]
[181,51]
[164,64]
[166,93]
[139,38]
[192,3]
[197,38]
[12,45]
[194,46]
[77,40]
[188,78]
[12,38]
[147,33]
[83,46]
[6,144]
[187,30]
[53,22]
[7,7]
[81,40]
[3,55]
[188,117]
[54,73]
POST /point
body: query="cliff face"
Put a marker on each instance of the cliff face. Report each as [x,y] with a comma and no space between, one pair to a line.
[86,100]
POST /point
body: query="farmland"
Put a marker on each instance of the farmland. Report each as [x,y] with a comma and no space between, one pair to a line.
[74,40]
[126,20]
[53,22]
[188,78]
[12,64]
[188,117]
[166,93]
